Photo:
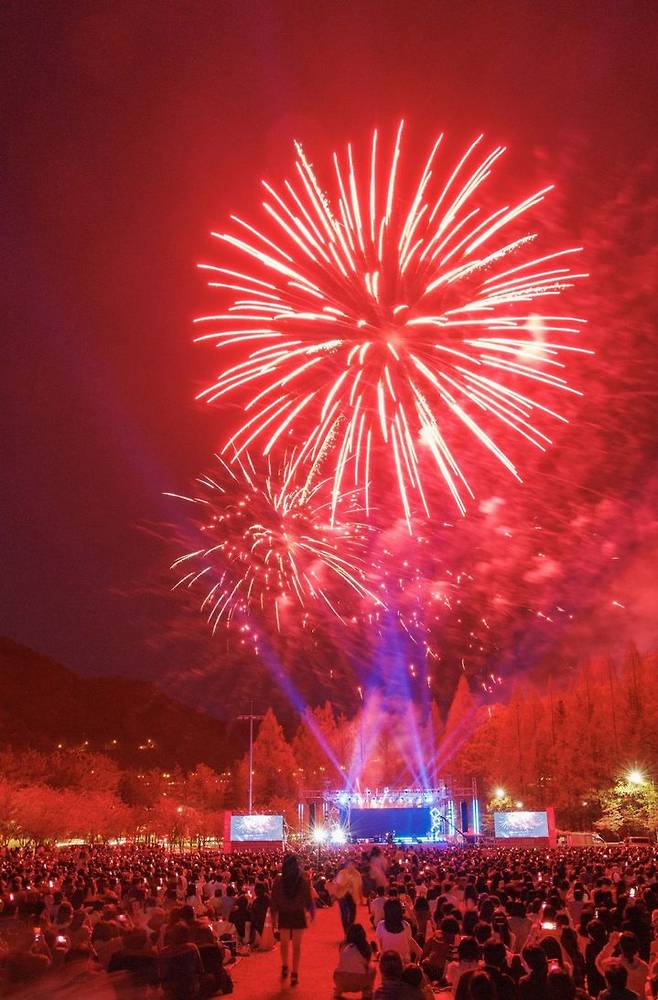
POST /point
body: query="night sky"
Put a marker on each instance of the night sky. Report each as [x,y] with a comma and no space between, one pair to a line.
[131,130]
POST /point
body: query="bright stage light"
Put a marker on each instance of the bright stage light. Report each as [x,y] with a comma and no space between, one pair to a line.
[499,793]
[338,835]
[319,835]
[635,777]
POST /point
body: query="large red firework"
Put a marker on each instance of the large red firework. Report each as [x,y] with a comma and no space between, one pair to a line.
[369,320]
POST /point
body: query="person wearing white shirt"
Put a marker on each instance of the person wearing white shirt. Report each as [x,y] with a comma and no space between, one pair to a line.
[627,944]
[469,954]
[394,934]
[377,906]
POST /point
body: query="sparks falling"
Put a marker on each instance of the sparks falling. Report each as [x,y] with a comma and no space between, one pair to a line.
[267,543]
[374,323]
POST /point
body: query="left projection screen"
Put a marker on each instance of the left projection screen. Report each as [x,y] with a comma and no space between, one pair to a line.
[245,828]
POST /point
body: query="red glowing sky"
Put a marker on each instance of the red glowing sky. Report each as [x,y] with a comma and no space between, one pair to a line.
[135,128]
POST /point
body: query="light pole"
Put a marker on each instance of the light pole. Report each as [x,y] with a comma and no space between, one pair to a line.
[251,718]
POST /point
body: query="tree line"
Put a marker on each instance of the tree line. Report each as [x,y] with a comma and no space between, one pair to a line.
[567,741]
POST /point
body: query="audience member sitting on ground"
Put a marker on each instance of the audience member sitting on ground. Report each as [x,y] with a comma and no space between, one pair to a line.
[355,971]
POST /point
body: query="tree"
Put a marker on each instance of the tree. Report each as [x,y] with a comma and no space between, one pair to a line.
[80,768]
[7,812]
[629,808]
[43,814]
[143,788]
[104,817]
[496,803]
[28,767]
[174,821]
[431,739]
[462,708]
[314,747]
[274,765]
[204,789]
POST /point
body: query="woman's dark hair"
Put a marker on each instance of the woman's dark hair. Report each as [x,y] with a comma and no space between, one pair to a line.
[449,925]
[586,916]
[482,932]
[356,935]
[104,930]
[64,913]
[421,904]
[482,987]
[560,985]
[616,975]
[179,934]
[412,975]
[468,950]
[290,875]
[393,916]
[501,926]
[552,950]
[203,935]
[535,958]
[597,932]
[136,940]
[390,965]
[470,892]
[569,941]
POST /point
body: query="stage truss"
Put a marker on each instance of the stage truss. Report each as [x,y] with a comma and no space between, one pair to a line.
[454,808]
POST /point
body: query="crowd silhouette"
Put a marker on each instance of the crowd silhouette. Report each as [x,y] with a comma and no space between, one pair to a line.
[500,923]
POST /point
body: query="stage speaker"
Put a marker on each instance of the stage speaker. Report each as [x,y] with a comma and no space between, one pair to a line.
[463,814]
[311,814]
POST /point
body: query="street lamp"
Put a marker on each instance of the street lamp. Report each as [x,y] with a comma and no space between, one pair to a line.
[251,718]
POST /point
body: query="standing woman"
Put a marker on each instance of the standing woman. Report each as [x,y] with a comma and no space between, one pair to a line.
[377,872]
[291,901]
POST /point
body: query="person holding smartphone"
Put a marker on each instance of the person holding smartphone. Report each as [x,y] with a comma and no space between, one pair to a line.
[624,948]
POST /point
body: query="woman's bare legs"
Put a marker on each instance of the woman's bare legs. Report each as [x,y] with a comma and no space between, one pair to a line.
[296,948]
[284,941]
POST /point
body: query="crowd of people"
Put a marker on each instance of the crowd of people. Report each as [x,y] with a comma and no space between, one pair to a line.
[462,923]
[502,924]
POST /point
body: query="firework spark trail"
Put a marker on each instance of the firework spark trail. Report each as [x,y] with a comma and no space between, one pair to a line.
[372,320]
[266,542]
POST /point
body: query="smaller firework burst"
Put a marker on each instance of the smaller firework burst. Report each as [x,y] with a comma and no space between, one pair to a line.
[268,544]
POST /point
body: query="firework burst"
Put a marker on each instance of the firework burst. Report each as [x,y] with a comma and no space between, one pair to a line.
[368,320]
[267,543]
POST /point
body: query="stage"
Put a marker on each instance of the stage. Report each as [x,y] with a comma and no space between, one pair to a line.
[446,813]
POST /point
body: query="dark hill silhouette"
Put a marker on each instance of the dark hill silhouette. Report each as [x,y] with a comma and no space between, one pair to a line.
[43,703]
